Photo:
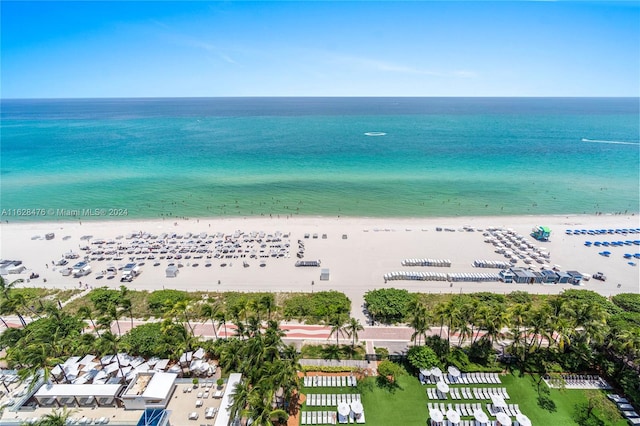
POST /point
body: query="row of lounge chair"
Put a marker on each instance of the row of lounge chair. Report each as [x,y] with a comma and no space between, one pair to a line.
[510,409]
[436,394]
[330,400]
[329,381]
[318,417]
[485,393]
[468,393]
[626,409]
[473,378]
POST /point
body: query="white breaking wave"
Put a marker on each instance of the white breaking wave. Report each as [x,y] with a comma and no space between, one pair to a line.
[611,142]
[375,133]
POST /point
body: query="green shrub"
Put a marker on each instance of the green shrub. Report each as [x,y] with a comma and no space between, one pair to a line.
[389,305]
[160,301]
[628,301]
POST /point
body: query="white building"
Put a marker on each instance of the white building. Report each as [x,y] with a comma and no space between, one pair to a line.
[149,390]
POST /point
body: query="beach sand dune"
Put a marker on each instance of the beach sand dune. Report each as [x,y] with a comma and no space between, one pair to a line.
[370,248]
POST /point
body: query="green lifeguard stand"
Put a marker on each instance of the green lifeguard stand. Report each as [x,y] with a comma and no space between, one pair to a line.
[541,233]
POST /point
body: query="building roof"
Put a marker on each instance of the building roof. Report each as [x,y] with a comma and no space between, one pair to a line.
[151,385]
[224,414]
[80,391]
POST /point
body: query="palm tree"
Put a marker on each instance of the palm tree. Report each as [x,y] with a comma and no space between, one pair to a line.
[55,418]
[10,302]
[114,315]
[352,328]
[267,302]
[419,321]
[239,398]
[221,317]
[127,306]
[337,327]
[210,311]
[85,312]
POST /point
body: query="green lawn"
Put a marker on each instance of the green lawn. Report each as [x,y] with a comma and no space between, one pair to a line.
[522,390]
[407,404]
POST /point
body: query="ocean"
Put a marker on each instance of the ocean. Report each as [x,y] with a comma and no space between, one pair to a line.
[376,157]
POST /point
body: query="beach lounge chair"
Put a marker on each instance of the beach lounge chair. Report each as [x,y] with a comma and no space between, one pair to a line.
[303,418]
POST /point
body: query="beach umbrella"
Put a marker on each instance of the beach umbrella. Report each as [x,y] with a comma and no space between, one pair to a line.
[480,416]
[503,419]
[453,371]
[443,387]
[436,415]
[425,371]
[343,409]
[436,372]
[523,420]
[356,407]
[498,401]
[453,416]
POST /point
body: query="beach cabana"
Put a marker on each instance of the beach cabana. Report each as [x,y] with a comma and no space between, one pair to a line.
[506,276]
[541,233]
[171,271]
[324,274]
[576,277]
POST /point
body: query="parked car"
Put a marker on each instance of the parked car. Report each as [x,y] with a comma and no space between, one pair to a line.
[599,276]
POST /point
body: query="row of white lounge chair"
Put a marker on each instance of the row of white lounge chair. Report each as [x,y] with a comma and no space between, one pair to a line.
[327,418]
[466,410]
[474,423]
[330,400]
[468,393]
[318,418]
[467,379]
[330,381]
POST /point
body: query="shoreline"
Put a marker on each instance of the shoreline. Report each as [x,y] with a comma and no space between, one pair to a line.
[357,251]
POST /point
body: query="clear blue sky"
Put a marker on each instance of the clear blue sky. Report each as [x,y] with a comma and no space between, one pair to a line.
[149,49]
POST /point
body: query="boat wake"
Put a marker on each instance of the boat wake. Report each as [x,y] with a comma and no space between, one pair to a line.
[375,133]
[610,142]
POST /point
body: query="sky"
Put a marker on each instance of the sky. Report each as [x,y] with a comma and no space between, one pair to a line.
[95,49]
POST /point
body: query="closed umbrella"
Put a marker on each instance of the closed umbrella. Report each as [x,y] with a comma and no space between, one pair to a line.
[503,419]
[443,387]
[523,420]
[480,416]
[453,416]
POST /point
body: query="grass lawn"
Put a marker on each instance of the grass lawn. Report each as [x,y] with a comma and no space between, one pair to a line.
[522,390]
[407,404]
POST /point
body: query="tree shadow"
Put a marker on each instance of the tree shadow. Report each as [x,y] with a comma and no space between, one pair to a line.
[390,386]
[546,403]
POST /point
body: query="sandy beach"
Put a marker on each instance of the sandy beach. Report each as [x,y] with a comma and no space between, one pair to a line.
[357,252]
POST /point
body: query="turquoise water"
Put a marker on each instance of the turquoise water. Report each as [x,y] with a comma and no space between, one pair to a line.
[311,156]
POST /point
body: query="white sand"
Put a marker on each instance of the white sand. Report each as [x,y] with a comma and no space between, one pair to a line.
[374,247]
